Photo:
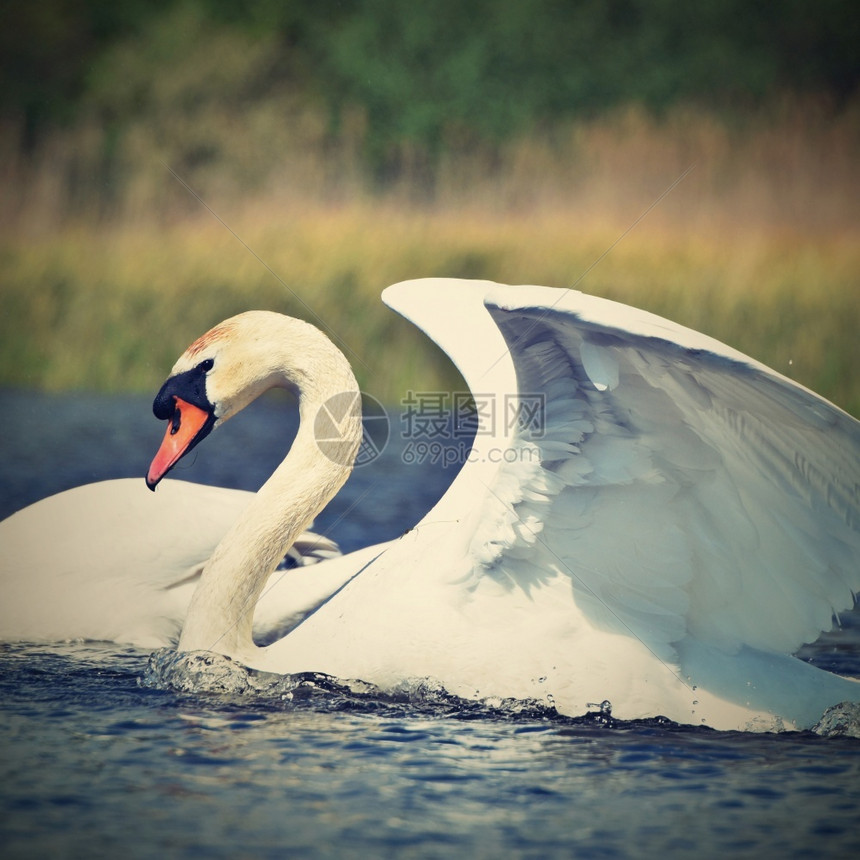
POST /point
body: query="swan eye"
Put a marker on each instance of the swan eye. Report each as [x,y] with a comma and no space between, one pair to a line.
[206,365]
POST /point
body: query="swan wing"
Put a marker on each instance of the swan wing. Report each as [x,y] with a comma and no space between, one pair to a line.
[111,561]
[294,593]
[683,489]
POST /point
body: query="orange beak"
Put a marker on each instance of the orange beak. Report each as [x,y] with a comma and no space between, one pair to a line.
[183,430]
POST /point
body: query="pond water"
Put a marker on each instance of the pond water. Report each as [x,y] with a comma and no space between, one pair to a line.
[95,764]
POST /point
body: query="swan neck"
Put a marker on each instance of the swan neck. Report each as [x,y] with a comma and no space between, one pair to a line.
[220,617]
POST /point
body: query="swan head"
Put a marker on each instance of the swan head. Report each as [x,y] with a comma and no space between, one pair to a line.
[227,368]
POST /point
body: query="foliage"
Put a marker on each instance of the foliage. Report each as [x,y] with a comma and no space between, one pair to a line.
[425,77]
[111,309]
[353,144]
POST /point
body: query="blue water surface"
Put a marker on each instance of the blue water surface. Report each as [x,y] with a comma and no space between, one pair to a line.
[95,764]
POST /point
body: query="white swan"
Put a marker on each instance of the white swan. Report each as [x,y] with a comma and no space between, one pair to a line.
[680,520]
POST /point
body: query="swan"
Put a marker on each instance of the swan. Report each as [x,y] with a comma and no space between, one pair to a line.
[678,521]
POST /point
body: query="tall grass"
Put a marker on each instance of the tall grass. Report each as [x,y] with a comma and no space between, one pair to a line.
[756,245]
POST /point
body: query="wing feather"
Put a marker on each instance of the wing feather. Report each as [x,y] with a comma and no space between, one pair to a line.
[683,489]
[696,492]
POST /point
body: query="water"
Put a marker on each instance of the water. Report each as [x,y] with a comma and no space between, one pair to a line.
[94,764]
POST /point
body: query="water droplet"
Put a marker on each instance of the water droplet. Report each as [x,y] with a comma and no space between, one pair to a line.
[605,707]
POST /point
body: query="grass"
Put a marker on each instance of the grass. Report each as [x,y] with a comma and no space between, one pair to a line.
[757,247]
[112,310]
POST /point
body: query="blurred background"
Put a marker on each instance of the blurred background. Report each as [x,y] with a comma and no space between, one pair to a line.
[167,163]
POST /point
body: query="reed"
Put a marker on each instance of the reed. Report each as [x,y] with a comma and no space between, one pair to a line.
[756,245]
[111,309]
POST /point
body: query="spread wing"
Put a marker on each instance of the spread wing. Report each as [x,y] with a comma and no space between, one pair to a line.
[683,488]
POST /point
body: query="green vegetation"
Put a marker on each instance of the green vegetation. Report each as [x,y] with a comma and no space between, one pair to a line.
[425,78]
[351,145]
[225,92]
[113,309]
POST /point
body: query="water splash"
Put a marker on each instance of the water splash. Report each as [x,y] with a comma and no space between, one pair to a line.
[207,672]
[840,721]
[203,672]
